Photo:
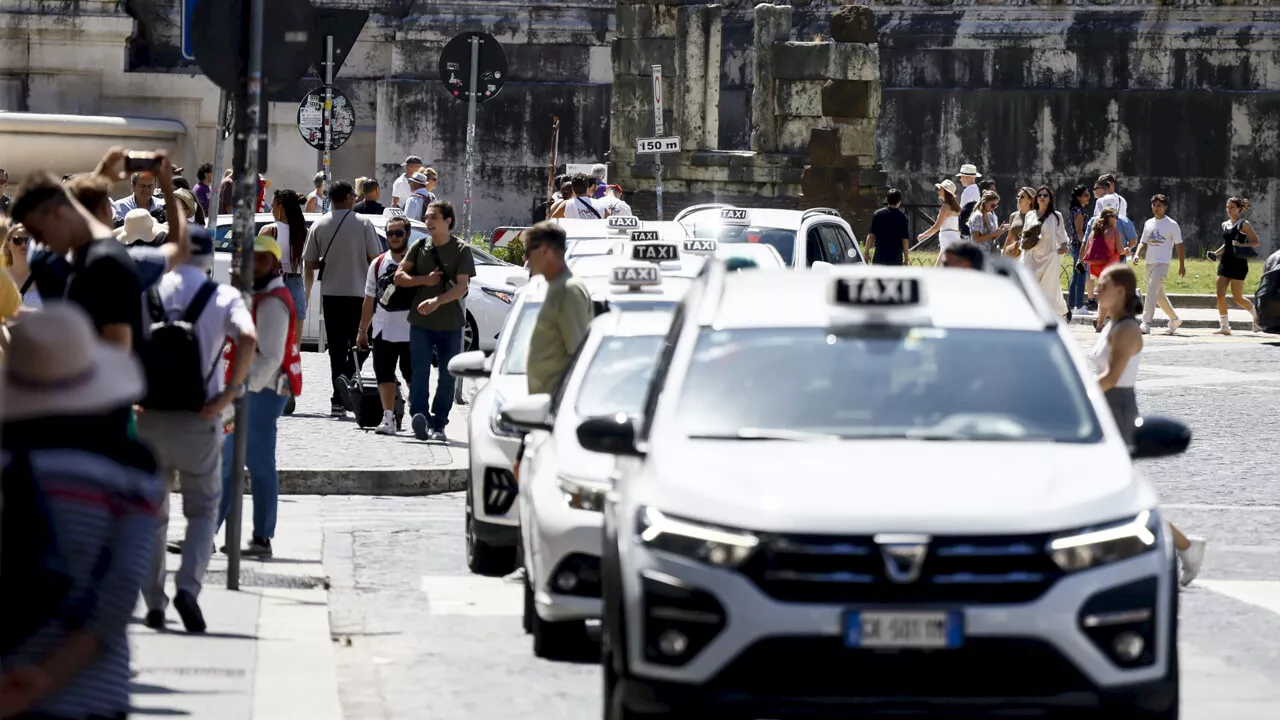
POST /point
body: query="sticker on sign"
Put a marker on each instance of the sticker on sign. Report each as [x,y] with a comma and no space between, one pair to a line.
[644,236]
[654,252]
[635,275]
[700,246]
[623,222]
[658,145]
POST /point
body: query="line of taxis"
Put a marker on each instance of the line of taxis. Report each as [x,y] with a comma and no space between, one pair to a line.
[787,493]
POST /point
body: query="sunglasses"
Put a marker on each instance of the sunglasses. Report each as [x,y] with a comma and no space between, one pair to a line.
[395,233]
[19,240]
[1043,195]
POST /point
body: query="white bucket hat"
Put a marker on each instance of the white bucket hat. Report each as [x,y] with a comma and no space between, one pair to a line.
[57,367]
[139,226]
[969,170]
[946,185]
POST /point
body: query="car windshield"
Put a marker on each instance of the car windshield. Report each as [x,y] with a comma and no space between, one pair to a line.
[517,360]
[920,383]
[784,241]
[480,256]
[618,376]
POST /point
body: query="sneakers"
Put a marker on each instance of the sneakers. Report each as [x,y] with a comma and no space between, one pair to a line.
[420,426]
[154,619]
[1091,305]
[1174,324]
[1222,330]
[189,610]
[436,436]
[336,409]
[1145,328]
[1191,560]
[258,547]
[388,425]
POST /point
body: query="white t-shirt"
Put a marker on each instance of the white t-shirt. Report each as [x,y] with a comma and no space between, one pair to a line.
[1160,235]
[971,194]
[282,238]
[400,189]
[392,326]
[225,316]
[615,206]
[581,207]
[1113,201]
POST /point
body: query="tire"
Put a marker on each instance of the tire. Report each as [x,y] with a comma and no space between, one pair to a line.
[482,558]
[470,334]
[565,640]
[529,612]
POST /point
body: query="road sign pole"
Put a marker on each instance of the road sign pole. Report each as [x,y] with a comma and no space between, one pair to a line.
[219,149]
[657,132]
[471,136]
[328,118]
[247,137]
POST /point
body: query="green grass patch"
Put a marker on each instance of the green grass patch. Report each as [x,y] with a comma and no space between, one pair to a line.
[1201,279]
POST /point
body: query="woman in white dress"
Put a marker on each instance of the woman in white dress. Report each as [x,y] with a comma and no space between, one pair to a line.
[1044,242]
[947,226]
[13,256]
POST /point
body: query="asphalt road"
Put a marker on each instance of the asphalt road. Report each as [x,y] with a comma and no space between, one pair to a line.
[421,638]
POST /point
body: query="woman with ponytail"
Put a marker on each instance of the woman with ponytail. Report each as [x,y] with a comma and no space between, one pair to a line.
[1117,357]
[1239,242]
[291,233]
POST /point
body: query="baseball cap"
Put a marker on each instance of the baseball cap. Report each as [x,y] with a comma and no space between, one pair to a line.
[413,160]
[267,244]
[201,240]
[1108,201]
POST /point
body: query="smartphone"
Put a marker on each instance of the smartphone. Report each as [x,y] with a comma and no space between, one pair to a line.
[141,162]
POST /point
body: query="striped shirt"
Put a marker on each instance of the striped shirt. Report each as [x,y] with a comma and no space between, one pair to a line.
[96,506]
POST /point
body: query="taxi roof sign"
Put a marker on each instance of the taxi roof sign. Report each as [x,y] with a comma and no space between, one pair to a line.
[644,236]
[877,292]
[636,275]
[622,222]
[654,252]
[700,246]
[735,216]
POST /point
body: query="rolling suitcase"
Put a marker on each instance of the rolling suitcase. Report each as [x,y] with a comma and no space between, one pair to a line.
[366,405]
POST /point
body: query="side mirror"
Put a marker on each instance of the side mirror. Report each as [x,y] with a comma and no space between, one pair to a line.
[821,265]
[610,435]
[528,413]
[518,281]
[1155,437]
[471,364]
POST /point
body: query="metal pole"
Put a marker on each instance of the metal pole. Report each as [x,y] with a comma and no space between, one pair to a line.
[328,119]
[471,137]
[657,132]
[246,207]
[219,148]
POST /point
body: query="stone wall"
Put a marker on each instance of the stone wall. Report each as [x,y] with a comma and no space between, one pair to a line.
[814,110]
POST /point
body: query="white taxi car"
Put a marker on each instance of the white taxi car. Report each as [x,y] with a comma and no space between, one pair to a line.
[824,509]
[801,237]
[563,486]
[585,238]
[492,533]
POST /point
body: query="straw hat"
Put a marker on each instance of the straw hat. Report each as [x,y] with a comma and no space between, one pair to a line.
[969,170]
[57,366]
[946,185]
[139,226]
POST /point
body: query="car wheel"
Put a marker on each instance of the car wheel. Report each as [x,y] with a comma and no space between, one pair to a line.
[470,334]
[483,558]
[565,640]
[529,612]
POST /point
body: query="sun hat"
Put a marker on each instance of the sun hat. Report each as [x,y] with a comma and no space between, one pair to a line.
[969,170]
[57,366]
[946,185]
[139,226]
[419,178]
[267,244]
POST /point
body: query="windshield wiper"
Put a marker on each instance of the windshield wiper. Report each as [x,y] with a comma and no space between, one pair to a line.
[752,433]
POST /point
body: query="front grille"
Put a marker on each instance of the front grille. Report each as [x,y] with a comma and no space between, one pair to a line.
[824,667]
[829,568]
[499,491]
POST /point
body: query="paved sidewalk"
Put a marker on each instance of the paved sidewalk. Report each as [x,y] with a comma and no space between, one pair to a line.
[268,654]
[1192,318]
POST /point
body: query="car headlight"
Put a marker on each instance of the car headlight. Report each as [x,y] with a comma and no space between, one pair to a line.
[1108,544]
[586,495]
[495,420]
[502,295]
[722,547]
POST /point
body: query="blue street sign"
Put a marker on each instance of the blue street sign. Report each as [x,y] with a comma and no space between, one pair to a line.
[188,12]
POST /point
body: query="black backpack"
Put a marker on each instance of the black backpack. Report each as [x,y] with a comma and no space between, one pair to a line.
[965,212]
[390,297]
[171,355]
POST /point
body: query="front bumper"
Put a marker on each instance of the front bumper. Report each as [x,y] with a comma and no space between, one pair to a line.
[493,488]
[789,658]
[564,540]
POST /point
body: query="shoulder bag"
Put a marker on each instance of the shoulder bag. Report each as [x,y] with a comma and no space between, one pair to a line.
[325,254]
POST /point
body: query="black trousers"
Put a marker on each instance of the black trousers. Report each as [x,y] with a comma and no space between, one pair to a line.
[341,324]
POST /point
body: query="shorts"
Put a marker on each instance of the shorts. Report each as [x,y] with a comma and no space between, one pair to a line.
[1095,269]
[385,357]
[298,289]
[1236,268]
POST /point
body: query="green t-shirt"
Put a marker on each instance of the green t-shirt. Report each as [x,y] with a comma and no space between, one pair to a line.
[456,257]
[562,325]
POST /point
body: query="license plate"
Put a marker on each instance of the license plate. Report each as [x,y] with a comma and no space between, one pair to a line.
[903,629]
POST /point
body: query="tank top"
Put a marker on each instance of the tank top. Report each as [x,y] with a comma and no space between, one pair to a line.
[1101,357]
[1231,234]
[949,233]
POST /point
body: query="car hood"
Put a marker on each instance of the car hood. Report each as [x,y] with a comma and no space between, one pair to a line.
[866,486]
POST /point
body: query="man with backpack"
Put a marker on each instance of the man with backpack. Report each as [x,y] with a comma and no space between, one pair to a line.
[191,318]
[385,317]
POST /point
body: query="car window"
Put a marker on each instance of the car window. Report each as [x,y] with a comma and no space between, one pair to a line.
[815,247]
[911,382]
[784,241]
[557,395]
[222,238]
[517,360]
[848,247]
[834,242]
[618,376]
[481,257]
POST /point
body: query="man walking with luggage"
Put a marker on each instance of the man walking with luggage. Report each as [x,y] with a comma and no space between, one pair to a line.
[339,248]
[385,318]
[440,266]
[191,318]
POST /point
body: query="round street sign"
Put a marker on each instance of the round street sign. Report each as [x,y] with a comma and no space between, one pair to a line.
[455,67]
[289,42]
[311,119]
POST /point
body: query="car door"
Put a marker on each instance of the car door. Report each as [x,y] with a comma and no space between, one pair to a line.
[838,245]
[814,246]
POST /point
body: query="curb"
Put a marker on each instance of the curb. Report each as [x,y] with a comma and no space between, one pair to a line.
[1191,302]
[401,482]
[1187,324]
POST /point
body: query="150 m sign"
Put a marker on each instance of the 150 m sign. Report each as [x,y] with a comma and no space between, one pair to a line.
[658,145]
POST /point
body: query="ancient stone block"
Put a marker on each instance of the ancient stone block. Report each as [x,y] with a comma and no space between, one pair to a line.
[793,133]
[854,61]
[800,98]
[858,138]
[826,60]
[853,23]
[637,56]
[824,146]
[848,98]
[646,21]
